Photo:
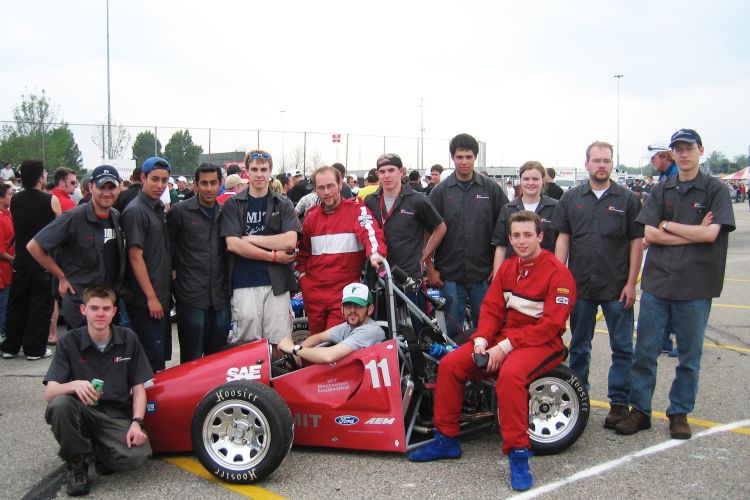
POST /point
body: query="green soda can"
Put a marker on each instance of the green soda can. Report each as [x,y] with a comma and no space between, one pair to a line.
[98,386]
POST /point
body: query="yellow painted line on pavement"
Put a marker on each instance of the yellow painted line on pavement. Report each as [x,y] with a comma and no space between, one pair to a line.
[705,344]
[737,279]
[730,306]
[193,466]
[694,421]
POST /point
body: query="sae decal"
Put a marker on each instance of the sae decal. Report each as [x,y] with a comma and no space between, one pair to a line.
[347,420]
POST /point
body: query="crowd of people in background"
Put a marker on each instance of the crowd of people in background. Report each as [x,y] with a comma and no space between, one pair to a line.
[227,249]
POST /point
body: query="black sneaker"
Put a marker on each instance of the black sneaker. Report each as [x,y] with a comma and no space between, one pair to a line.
[77,477]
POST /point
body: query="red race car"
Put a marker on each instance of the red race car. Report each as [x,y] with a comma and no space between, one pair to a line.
[240,413]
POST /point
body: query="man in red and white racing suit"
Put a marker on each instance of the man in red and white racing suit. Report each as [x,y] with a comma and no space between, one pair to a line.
[521,324]
[336,236]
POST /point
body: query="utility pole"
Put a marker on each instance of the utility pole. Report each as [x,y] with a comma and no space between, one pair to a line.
[619,76]
[421,137]
[109,106]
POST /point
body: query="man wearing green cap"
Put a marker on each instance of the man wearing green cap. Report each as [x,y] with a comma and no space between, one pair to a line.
[357,332]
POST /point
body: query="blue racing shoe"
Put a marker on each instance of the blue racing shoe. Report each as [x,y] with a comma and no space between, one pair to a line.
[442,447]
[520,476]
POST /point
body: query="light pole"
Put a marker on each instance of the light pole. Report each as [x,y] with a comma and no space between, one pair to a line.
[421,131]
[109,106]
[283,162]
[618,118]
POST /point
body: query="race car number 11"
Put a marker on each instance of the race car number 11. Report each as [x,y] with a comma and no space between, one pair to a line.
[372,366]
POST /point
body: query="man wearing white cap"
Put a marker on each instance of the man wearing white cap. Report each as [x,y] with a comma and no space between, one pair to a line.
[359,330]
[233,184]
[183,191]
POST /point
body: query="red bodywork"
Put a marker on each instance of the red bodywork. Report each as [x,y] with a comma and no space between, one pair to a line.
[353,403]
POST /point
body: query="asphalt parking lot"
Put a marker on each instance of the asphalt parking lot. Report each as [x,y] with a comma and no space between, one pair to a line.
[715,463]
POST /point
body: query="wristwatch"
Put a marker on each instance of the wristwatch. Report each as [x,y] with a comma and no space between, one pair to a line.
[664,226]
[139,420]
[297,348]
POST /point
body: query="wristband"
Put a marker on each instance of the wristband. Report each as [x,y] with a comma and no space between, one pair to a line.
[664,226]
[274,257]
[296,349]
[139,420]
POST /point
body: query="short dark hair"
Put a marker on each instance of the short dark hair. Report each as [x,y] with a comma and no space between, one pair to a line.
[372,176]
[136,175]
[414,176]
[340,167]
[99,292]
[551,172]
[207,168]
[233,169]
[283,178]
[525,216]
[4,189]
[31,172]
[463,141]
[61,174]
[437,168]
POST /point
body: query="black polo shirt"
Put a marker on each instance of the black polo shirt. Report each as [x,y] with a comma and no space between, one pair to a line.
[545,209]
[199,255]
[404,226]
[77,240]
[694,271]
[145,225]
[466,252]
[121,366]
[600,234]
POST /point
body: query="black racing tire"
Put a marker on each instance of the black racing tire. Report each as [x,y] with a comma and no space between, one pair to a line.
[300,329]
[558,410]
[242,431]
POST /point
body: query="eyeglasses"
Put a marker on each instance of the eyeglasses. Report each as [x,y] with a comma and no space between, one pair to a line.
[262,156]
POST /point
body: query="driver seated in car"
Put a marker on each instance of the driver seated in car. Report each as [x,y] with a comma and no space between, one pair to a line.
[521,324]
[357,332]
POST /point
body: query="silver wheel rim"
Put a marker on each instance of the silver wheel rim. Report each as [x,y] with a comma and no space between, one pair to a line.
[553,409]
[236,435]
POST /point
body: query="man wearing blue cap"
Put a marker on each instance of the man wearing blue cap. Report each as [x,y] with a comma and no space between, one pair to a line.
[687,221]
[87,245]
[147,291]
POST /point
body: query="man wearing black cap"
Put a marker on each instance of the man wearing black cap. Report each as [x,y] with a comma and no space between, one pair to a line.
[149,276]
[87,245]
[406,217]
[687,221]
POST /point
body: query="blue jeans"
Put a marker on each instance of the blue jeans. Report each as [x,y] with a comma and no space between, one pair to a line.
[458,294]
[153,335]
[4,293]
[620,325]
[689,318]
[201,331]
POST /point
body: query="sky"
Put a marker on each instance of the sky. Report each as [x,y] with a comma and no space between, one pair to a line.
[532,80]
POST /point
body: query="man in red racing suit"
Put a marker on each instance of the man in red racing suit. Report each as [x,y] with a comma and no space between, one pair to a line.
[521,324]
[336,236]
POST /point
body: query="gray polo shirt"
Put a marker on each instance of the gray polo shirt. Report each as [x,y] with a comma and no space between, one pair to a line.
[145,225]
[545,209]
[465,255]
[694,271]
[364,335]
[600,234]
[76,241]
[280,218]
[404,226]
[122,365]
[198,255]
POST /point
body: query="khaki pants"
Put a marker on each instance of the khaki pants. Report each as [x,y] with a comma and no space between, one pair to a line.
[258,313]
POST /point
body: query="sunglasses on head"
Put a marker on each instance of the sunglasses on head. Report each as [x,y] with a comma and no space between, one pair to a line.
[262,156]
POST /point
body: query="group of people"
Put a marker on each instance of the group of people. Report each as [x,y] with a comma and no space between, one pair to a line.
[524,266]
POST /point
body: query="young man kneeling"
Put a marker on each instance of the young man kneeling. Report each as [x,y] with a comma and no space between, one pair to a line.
[101,427]
[521,324]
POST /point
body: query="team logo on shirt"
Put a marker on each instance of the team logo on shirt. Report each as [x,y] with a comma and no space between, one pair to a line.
[480,197]
[563,290]
[616,210]
[698,206]
[109,234]
[119,359]
[562,300]
[405,212]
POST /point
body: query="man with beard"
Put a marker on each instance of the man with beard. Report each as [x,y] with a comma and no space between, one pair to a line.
[358,331]
[87,245]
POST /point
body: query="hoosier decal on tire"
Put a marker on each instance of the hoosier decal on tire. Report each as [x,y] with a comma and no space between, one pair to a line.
[558,410]
[242,431]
